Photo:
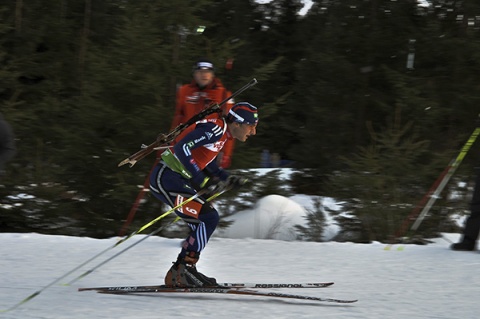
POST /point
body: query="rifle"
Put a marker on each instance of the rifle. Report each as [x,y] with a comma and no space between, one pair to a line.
[163,139]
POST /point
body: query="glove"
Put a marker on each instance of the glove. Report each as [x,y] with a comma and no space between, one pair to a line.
[235,182]
[212,187]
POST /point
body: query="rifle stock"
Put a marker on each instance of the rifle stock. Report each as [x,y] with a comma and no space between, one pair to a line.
[165,139]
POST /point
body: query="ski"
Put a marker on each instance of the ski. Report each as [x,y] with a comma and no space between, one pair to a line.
[226,290]
[225,285]
[277,285]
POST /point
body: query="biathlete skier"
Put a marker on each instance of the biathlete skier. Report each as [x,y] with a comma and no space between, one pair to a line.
[189,166]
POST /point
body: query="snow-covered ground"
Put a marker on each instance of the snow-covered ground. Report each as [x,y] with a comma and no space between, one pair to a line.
[403,282]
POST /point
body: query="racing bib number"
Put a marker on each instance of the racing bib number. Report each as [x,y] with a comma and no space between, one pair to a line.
[191,208]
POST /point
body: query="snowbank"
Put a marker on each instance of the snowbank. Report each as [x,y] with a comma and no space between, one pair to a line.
[273,217]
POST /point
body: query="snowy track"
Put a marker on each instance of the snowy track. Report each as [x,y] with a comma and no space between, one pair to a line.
[416,282]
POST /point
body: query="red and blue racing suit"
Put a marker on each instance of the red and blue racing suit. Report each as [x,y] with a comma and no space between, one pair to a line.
[183,171]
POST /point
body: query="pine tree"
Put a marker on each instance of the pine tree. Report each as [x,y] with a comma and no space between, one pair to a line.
[379,184]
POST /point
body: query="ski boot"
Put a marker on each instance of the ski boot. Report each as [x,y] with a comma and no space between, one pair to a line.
[183,273]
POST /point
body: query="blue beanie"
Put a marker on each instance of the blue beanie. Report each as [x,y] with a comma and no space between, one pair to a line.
[243,112]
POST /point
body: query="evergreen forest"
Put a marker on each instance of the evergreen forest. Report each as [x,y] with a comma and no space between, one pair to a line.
[366,100]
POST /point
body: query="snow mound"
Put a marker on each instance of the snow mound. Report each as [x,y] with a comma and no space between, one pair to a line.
[273,217]
[308,202]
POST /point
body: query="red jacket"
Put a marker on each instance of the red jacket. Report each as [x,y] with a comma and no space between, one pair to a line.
[191,100]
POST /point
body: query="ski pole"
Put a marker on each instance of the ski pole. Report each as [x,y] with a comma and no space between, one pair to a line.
[136,204]
[451,170]
[136,243]
[120,252]
[437,188]
[417,208]
[168,212]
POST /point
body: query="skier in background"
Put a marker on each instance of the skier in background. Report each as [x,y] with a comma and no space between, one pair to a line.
[204,89]
[190,166]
